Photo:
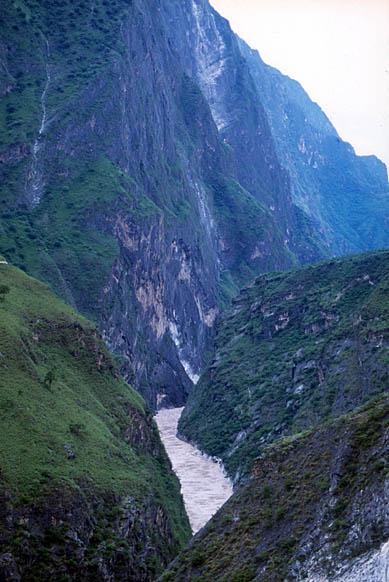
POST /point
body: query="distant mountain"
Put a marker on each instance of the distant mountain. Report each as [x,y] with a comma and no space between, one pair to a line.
[346,195]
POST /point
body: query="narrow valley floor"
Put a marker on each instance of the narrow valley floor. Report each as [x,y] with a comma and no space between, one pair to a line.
[203,484]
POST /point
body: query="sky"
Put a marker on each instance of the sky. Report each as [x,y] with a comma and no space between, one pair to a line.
[337,49]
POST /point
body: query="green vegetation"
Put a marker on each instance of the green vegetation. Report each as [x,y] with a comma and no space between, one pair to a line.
[81,41]
[295,349]
[75,42]
[4,290]
[69,422]
[235,209]
[69,237]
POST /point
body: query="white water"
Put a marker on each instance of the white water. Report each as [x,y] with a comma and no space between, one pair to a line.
[203,484]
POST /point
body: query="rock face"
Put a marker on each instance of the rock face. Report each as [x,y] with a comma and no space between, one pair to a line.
[141,178]
[115,169]
[67,534]
[86,489]
[213,58]
[336,188]
[315,508]
[295,349]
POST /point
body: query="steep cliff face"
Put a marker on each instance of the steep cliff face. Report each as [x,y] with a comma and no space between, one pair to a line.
[314,508]
[86,489]
[294,350]
[140,175]
[346,195]
[211,55]
[259,112]
[118,189]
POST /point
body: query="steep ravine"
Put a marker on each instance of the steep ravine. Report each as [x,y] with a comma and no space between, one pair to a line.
[139,204]
[138,162]
[145,177]
[315,508]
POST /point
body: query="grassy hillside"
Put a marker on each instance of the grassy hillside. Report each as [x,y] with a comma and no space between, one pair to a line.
[71,427]
[295,349]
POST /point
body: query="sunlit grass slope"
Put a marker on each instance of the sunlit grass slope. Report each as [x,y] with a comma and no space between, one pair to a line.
[68,420]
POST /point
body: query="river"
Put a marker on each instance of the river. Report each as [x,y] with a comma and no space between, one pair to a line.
[203,484]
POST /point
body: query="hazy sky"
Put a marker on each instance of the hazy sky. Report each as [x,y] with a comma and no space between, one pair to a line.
[337,49]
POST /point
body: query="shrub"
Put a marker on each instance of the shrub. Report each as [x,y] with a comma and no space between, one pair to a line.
[197,558]
[4,290]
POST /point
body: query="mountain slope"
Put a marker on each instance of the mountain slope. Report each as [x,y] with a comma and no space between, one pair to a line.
[314,508]
[86,488]
[211,55]
[143,175]
[259,111]
[118,191]
[294,350]
[346,195]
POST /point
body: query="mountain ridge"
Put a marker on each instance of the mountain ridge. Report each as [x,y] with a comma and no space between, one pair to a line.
[294,349]
[319,162]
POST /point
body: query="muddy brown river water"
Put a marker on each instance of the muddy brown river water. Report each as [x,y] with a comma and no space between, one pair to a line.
[203,484]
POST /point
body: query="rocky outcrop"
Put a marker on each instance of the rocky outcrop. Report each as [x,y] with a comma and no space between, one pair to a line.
[314,508]
[75,533]
[295,349]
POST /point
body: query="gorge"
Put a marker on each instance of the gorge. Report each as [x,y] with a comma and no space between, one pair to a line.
[174,218]
[163,159]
